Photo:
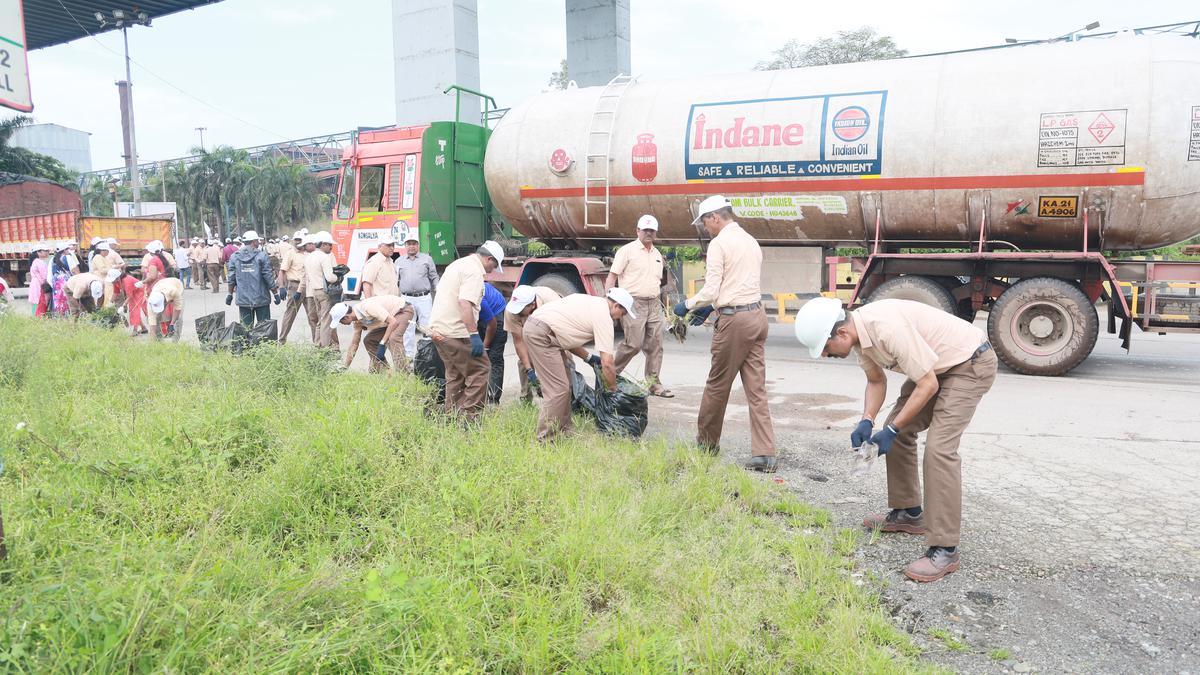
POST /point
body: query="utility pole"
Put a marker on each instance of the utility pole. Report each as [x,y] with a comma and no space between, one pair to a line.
[122,19]
[201,130]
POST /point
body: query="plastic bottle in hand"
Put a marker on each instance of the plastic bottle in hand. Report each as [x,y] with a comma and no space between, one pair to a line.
[864,458]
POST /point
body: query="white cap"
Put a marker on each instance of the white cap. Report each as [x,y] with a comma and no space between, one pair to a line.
[648,222]
[228,241]
[412,236]
[494,250]
[97,288]
[103,246]
[387,240]
[522,296]
[298,235]
[96,240]
[111,241]
[157,302]
[338,311]
[306,239]
[322,238]
[62,246]
[113,275]
[41,246]
[303,231]
[251,235]
[154,246]
[623,298]
[709,205]
[815,320]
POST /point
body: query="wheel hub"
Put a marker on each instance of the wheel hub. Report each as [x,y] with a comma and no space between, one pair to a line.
[1041,327]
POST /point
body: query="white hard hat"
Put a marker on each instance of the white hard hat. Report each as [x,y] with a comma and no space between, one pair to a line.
[298,235]
[522,296]
[494,250]
[709,205]
[97,288]
[303,230]
[622,298]
[103,246]
[251,235]
[648,222]
[307,239]
[814,322]
[338,311]
[323,238]
[157,302]
[154,246]
[113,275]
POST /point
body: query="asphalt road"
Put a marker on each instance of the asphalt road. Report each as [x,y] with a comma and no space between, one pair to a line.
[1079,492]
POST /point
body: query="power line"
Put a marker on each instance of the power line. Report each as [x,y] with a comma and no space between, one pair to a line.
[165,80]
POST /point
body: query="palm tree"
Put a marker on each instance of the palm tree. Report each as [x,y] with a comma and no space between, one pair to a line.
[26,162]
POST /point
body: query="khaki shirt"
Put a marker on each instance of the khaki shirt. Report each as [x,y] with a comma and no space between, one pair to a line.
[212,255]
[734,268]
[116,259]
[318,270]
[463,280]
[196,255]
[377,309]
[79,286]
[638,271]
[172,290]
[577,320]
[912,338]
[515,325]
[293,263]
[101,264]
[380,272]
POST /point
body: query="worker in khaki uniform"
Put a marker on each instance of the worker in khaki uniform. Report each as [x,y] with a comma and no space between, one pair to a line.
[85,293]
[566,326]
[732,289]
[638,268]
[291,271]
[380,321]
[379,273]
[100,265]
[212,264]
[453,327]
[199,266]
[318,273]
[164,306]
[950,365]
[525,300]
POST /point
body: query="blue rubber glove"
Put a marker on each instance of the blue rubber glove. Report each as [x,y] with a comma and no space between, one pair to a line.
[681,309]
[278,298]
[281,295]
[229,299]
[861,433]
[532,377]
[700,315]
[296,296]
[379,351]
[476,345]
[593,360]
[884,438]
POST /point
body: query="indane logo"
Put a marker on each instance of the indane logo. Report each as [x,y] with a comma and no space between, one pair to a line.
[835,134]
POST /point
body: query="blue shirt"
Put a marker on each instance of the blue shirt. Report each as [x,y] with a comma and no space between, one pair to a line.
[492,304]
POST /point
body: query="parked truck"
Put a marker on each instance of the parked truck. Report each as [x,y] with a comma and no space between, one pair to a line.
[992,179]
[34,210]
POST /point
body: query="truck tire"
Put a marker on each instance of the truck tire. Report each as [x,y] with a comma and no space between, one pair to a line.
[921,289]
[1043,326]
[559,283]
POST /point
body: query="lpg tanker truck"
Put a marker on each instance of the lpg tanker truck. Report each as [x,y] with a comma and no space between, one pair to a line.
[999,179]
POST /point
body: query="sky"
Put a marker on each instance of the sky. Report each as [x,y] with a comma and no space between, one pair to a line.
[261,71]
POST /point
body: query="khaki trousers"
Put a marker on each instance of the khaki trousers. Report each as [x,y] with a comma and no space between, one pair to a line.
[214,276]
[290,312]
[643,334]
[738,349]
[395,345]
[550,364]
[946,417]
[466,377]
[324,334]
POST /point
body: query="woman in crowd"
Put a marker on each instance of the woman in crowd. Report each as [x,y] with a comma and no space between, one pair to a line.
[63,267]
[131,293]
[39,275]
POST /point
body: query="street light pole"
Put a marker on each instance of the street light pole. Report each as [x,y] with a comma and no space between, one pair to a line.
[135,180]
[201,130]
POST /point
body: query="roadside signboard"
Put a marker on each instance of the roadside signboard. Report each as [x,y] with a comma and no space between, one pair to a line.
[14,67]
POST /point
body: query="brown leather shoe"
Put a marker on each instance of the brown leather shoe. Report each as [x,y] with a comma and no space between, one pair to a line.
[937,562]
[896,520]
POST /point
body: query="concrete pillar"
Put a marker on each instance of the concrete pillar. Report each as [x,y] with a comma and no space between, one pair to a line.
[597,40]
[435,45]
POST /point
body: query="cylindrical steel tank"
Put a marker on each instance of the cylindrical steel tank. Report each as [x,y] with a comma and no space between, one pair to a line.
[1019,142]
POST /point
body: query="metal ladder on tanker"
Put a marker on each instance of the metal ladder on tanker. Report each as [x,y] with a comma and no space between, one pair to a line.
[597,171]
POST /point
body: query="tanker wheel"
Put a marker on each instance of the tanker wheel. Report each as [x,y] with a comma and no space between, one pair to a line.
[1043,326]
[559,283]
[921,289]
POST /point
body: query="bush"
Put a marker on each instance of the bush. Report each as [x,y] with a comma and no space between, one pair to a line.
[172,510]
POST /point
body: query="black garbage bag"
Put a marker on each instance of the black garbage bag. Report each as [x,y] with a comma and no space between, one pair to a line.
[233,337]
[428,366]
[209,326]
[263,331]
[620,413]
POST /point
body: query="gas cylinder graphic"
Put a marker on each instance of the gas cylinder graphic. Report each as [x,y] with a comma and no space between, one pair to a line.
[645,158]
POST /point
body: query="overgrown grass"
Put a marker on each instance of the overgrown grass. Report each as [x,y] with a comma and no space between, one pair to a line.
[169,510]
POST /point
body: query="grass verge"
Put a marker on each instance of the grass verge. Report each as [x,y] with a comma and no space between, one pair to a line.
[177,511]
